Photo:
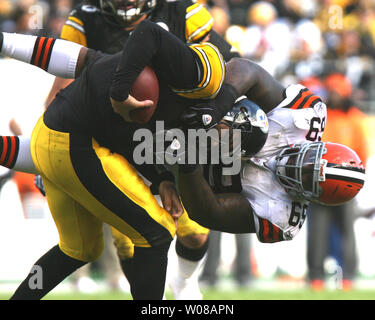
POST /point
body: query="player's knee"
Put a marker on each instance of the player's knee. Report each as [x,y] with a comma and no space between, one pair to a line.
[124,248]
[193,241]
[86,253]
[94,254]
[159,250]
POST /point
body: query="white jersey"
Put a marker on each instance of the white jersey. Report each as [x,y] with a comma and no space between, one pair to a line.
[300,117]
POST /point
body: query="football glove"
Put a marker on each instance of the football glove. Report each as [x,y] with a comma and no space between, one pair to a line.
[208,113]
[202,115]
[172,151]
[168,149]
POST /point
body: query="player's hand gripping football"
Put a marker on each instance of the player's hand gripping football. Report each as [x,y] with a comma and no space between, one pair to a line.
[124,108]
[170,199]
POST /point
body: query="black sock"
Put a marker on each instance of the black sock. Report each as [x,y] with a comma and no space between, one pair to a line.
[189,253]
[47,273]
[127,268]
[150,268]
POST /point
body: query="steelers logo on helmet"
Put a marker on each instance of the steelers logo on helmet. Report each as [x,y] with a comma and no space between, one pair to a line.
[261,121]
[126,12]
[323,172]
[252,121]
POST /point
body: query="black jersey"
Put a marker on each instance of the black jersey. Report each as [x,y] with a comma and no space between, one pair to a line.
[173,16]
[84,107]
[88,26]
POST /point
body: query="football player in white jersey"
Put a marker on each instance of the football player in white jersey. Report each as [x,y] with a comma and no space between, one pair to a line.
[293,168]
[278,215]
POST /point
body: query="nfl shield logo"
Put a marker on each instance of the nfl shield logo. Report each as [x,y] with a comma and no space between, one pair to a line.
[206,119]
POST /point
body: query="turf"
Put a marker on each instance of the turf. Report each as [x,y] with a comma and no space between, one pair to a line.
[249,294]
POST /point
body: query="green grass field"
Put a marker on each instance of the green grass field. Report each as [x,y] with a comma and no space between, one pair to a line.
[249,294]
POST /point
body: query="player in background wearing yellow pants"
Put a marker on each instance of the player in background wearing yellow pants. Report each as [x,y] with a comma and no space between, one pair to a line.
[61,144]
[99,27]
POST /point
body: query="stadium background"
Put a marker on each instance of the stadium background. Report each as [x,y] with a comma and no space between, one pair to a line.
[294,41]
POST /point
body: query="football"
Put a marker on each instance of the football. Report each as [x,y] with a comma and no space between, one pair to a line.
[145,87]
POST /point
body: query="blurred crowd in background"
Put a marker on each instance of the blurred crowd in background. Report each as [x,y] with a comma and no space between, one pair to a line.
[327,45]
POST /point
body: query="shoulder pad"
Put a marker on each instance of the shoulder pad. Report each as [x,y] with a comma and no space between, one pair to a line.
[299,97]
[89,8]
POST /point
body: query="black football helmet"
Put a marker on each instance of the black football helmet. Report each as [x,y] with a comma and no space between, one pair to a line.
[253,123]
[126,12]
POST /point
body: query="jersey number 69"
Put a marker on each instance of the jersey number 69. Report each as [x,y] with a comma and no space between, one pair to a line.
[316,129]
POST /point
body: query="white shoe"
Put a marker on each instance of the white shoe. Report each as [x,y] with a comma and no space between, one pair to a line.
[124,285]
[86,285]
[185,289]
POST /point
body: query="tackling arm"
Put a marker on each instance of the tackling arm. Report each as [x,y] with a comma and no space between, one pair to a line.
[257,84]
[243,77]
[227,212]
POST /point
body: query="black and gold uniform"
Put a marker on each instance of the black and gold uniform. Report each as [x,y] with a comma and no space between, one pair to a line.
[81,124]
[197,70]
[190,22]
[86,25]
[83,151]
[81,132]
[150,44]
[187,20]
[80,148]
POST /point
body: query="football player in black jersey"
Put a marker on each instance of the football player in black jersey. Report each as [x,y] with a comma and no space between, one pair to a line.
[72,122]
[96,24]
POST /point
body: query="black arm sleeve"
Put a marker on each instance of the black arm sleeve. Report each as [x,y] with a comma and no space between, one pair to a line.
[224,101]
[92,55]
[150,44]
